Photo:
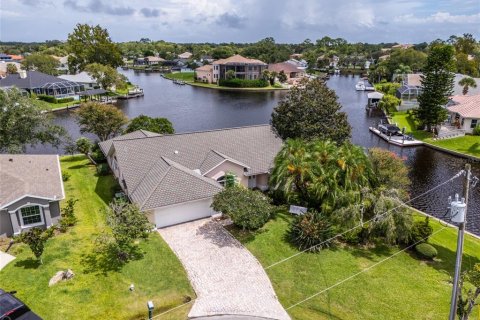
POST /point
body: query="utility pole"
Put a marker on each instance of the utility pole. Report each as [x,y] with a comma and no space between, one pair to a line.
[460,217]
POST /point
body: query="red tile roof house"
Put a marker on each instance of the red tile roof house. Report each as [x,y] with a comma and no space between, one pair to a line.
[204,73]
[31,187]
[291,71]
[173,178]
[464,112]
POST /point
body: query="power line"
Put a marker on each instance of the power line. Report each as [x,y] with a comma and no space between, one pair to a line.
[170,310]
[361,224]
[362,271]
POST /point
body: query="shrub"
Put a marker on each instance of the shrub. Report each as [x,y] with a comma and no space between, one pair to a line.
[103,169]
[243,83]
[311,230]
[98,156]
[65,176]
[248,209]
[421,231]
[35,238]
[476,130]
[68,215]
[47,98]
[63,100]
[426,251]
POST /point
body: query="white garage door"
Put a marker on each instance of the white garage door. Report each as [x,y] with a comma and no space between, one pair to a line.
[183,212]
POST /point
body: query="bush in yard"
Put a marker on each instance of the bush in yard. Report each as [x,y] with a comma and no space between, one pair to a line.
[47,98]
[35,238]
[68,215]
[426,251]
[476,131]
[311,230]
[243,83]
[248,209]
[421,231]
[98,156]
[65,176]
[103,169]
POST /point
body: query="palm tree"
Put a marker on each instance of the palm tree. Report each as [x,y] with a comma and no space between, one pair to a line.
[467,82]
[292,172]
[402,70]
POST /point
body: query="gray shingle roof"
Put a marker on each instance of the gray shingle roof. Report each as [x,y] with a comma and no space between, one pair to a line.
[32,175]
[34,79]
[170,159]
[105,145]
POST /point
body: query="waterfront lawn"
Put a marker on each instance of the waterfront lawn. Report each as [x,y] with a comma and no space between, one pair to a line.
[214,86]
[407,121]
[466,144]
[403,287]
[52,106]
[98,290]
[184,76]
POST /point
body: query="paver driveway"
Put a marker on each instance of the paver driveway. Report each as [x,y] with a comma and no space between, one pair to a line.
[227,278]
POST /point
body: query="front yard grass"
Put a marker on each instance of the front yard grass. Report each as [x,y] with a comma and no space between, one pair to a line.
[403,287]
[407,121]
[467,144]
[184,76]
[99,290]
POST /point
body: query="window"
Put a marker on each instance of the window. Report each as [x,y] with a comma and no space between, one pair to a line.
[31,215]
[473,124]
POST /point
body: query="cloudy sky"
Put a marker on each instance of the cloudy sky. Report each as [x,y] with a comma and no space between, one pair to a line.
[372,21]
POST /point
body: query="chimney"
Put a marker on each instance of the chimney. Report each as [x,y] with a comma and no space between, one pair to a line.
[23,74]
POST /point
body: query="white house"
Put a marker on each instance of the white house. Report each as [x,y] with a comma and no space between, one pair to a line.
[464,112]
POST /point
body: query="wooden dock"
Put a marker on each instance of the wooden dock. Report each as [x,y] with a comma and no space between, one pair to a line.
[399,141]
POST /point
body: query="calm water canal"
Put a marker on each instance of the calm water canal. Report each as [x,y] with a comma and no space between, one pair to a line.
[192,109]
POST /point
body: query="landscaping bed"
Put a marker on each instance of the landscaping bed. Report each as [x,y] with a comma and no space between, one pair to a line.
[99,289]
[404,287]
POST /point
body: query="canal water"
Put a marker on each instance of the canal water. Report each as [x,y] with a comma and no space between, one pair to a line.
[192,109]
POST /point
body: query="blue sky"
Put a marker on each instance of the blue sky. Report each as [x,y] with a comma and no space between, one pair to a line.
[371,21]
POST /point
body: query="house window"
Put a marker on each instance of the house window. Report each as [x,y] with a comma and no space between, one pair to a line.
[31,215]
[473,124]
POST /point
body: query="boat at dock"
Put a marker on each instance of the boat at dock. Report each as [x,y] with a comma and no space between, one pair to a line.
[393,135]
[364,85]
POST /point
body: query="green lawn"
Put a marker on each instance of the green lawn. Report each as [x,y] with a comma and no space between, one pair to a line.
[407,121]
[52,106]
[214,86]
[98,290]
[184,76]
[467,144]
[400,288]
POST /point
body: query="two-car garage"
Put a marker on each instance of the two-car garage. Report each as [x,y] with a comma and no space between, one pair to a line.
[182,212]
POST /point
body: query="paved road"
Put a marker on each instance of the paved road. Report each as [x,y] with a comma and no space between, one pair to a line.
[227,278]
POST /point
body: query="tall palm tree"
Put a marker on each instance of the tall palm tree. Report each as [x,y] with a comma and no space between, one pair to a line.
[402,70]
[467,82]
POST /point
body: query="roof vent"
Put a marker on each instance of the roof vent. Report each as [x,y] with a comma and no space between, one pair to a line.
[197,171]
[176,151]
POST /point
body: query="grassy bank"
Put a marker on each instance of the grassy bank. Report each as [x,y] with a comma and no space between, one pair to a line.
[468,144]
[216,87]
[99,289]
[184,76]
[403,287]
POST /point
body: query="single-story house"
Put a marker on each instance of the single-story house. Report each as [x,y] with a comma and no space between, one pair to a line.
[464,112]
[244,68]
[181,69]
[83,78]
[31,188]
[148,61]
[289,69]
[207,59]
[173,178]
[10,57]
[42,83]
[204,73]
[300,64]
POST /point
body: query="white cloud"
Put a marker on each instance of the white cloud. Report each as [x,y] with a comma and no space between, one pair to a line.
[439,17]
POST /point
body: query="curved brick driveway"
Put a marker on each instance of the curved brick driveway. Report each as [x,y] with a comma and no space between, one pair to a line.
[227,278]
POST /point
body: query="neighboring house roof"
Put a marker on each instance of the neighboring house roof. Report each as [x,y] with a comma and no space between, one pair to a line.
[144,161]
[466,106]
[413,79]
[16,57]
[82,77]
[105,145]
[154,59]
[285,67]
[185,55]
[384,57]
[34,79]
[238,59]
[206,67]
[30,175]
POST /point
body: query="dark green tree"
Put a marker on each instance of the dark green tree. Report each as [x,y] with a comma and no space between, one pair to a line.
[106,76]
[84,146]
[11,68]
[105,121]
[282,77]
[41,62]
[22,122]
[143,122]
[311,111]
[91,44]
[437,85]
[35,238]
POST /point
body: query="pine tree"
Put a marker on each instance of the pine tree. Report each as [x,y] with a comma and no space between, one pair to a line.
[437,84]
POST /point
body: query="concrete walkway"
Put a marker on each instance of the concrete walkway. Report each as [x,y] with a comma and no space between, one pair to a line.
[5,259]
[227,278]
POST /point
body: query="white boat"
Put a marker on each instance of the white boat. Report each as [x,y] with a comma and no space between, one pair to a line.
[360,86]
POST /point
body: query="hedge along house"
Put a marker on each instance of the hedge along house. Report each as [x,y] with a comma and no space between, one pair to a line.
[30,190]
[243,68]
[173,178]
[40,83]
